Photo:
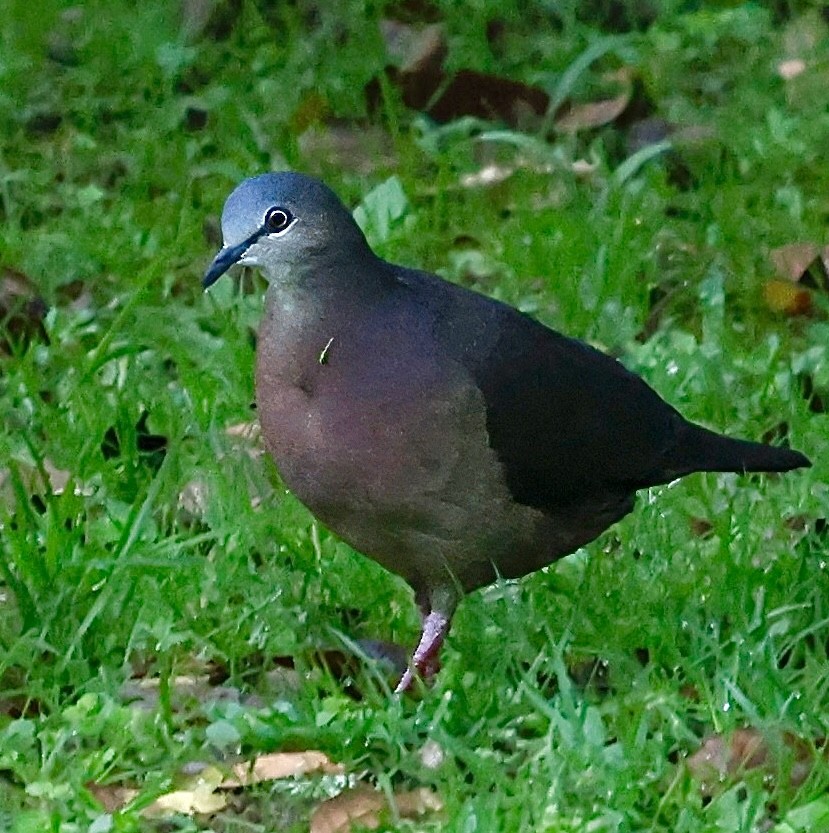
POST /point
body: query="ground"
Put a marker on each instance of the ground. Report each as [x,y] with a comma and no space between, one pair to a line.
[651,178]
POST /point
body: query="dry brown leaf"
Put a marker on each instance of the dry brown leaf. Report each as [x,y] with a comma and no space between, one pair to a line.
[16,706]
[788,298]
[111,796]
[417,802]
[804,263]
[280,765]
[488,97]
[745,748]
[700,527]
[31,477]
[365,806]
[592,114]
[339,813]
[419,54]
[690,692]
[721,758]
[58,478]
[793,260]
[22,309]
[144,692]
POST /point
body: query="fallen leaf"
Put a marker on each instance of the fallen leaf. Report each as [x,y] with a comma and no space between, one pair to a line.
[31,478]
[417,802]
[488,175]
[111,797]
[339,813]
[799,523]
[592,114]
[719,759]
[248,430]
[197,796]
[584,168]
[788,298]
[75,295]
[16,706]
[490,98]
[690,692]
[202,800]
[416,55]
[202,782]
[313,109]
[793,260]
[58,478]
[700,527]
[365,807]
[280,765]
[183,688]
[203,19]
[192,499]
[493,174]
[432,754]
[801,265]
[791,68]
[22,310]
[419,54]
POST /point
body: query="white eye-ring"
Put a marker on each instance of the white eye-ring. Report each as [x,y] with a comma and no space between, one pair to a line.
[277,220]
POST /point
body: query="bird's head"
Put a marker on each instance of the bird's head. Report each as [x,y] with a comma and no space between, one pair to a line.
[281,221]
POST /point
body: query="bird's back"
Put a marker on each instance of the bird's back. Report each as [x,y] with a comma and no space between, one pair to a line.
[566,420]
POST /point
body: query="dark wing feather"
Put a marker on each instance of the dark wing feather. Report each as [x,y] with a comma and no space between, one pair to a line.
[566,420]
[569,423]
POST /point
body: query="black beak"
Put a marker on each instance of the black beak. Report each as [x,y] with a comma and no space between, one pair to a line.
[226,258]
[223,261]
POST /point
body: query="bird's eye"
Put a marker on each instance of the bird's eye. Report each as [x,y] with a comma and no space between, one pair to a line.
[277,219]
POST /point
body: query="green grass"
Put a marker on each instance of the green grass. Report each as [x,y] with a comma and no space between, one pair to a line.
[173,547]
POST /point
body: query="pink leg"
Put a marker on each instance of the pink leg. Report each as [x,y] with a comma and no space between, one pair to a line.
[424,659]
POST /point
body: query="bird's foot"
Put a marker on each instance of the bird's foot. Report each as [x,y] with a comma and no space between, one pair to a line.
[424,662]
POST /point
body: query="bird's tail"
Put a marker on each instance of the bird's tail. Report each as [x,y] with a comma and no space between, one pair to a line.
[704,450]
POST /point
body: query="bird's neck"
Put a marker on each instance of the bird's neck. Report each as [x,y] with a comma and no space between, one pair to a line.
[319,287]
[311,310]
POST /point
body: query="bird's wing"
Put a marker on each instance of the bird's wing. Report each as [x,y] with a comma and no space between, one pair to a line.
[566,420]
